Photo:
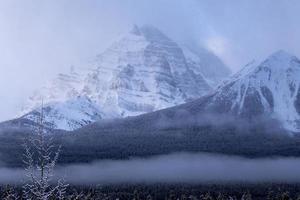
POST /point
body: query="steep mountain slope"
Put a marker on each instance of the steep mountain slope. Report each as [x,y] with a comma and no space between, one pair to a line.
[142,72]
[270,88]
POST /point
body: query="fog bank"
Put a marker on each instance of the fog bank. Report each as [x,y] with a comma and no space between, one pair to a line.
[175,168]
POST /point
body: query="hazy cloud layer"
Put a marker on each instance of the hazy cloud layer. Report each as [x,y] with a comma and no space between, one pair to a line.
[38,39]
[176,168]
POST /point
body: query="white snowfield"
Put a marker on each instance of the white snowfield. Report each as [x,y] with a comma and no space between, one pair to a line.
[142,72]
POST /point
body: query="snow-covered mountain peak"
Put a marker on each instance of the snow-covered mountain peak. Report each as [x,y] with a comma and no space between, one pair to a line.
[280,55]
[280,61]
[152,34]
[135,30]
[278,64]
[147,33]
[142,72]
[269,88]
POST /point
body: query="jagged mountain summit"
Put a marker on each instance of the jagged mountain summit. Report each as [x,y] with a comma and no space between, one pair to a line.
[142,72]
[271,88]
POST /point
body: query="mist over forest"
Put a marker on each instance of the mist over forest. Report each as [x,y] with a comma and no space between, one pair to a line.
[174,168]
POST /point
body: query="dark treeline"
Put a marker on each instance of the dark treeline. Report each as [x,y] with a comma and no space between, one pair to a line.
[92,144]
[174,192]
[109,144]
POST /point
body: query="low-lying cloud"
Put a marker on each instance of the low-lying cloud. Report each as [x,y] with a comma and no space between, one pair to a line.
[184,118]
[175,168]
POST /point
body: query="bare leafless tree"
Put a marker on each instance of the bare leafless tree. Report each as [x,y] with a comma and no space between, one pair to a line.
[40,159]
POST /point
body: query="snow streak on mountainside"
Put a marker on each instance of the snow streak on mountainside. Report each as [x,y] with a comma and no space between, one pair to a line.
[143,72]
[271,88]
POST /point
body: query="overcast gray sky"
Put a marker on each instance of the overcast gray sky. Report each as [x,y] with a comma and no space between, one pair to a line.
[38,39]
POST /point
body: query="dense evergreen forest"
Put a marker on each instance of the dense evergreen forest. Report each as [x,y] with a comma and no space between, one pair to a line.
[92,144]
[173,192]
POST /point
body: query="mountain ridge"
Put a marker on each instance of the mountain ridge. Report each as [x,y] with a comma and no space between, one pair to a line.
[246,98]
